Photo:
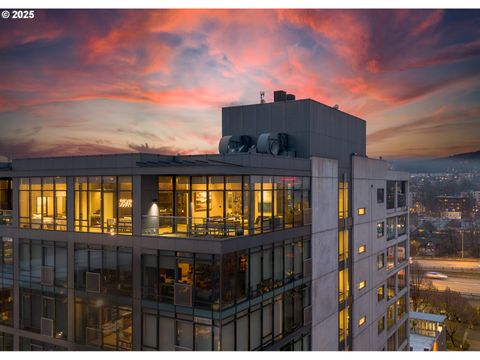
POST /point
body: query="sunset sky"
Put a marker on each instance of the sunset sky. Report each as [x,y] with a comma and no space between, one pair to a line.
[78,82]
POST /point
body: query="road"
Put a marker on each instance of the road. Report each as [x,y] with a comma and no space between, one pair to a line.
[449,264]
[466,285]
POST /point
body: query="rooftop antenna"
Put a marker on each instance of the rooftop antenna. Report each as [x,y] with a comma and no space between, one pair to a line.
[262,97]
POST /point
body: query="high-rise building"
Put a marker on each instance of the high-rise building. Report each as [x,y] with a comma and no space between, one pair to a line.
[290,238]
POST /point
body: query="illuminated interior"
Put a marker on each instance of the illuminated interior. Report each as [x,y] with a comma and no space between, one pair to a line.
[104,204]
[43,203]
[229,205]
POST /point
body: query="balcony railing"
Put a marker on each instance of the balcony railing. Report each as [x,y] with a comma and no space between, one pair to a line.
[192,226]
[6,217]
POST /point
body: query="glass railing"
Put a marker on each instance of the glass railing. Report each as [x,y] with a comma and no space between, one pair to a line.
[193,226]
[6,217]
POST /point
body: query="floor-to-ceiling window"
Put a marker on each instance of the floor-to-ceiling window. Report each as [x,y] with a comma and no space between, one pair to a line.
[104,204]
[43,203]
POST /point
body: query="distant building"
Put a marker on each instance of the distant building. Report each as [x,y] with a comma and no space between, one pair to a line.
[454,207]
[427,332]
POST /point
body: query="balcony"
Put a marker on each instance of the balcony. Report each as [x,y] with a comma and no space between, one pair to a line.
[5,217]
[181,226]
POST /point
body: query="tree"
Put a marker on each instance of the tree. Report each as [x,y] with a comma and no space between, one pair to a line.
[457,309]
[420,287]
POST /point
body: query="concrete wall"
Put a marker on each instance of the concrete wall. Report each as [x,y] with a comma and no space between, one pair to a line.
[314,129]
[324,254]
[368,176]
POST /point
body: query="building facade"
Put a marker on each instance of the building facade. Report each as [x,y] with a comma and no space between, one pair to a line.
[288,233]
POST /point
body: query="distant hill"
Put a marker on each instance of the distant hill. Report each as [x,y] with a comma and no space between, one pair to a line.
[455,163]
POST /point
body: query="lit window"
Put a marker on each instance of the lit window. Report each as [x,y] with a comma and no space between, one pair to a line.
[380,293]
[362,211]
[362,284]
[361,249]
[362,320]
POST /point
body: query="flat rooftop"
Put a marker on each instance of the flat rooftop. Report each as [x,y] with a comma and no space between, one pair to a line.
[420,342]
[143,163]
[427,316]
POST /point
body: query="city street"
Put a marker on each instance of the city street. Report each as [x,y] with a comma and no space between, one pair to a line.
[463,285]
[439,265]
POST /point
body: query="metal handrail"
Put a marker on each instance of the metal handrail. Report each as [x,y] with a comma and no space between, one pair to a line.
[193,226]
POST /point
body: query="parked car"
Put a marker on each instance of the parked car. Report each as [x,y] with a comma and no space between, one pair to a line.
[436,275]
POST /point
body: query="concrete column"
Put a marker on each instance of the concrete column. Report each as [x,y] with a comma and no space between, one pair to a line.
[137,297]
[71,293]
[15,201]
[16,289]
[137,205]
[70,203]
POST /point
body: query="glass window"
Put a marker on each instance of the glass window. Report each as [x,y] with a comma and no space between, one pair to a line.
[150,277]
[242,276]
[380,229]
[362,320]
[228,279]
[104,204]
[390,257]
[166,330]
[267,269]
[343,245]
[6,257]
[343,200]
[255,273]
[401,279]
[401,251]
[401,193]
[401,307]
[381,325]
[391,228]
[343,285]
[267,325]
[380,196]
[242,331]
[288,260]
[391,287]
[228,336]
[380,261]
[380,293]
[184,335]
[278,317]
[203,337]
[43,203]
[390,194]
[149,331]
[255,327]
[167,268]
[390,316]
[402,225]
[278,265]
[362,249]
